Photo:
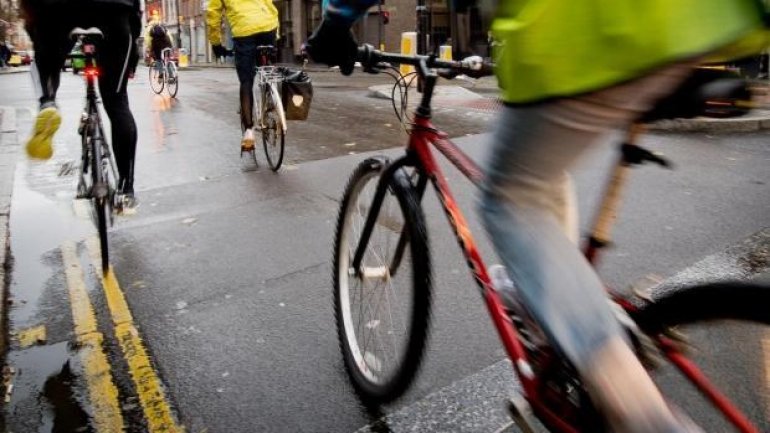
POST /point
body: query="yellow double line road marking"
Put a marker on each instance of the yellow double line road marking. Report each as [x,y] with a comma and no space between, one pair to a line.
[148,386]
[102,392]
[149,389]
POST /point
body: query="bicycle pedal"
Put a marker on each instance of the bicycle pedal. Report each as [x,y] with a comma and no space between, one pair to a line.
[521,413]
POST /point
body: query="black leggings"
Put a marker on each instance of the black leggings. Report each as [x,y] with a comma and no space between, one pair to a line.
[49,29]
[246,62]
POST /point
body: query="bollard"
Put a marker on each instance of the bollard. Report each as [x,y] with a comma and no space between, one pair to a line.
[408,48]
[445,52]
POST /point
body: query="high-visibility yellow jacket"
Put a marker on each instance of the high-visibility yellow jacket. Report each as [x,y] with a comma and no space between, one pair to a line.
[246,17]
[556,48]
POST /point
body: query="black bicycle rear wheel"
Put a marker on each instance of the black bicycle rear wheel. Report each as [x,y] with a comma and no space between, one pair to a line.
[273,137]
[172,79]
[728,326]
[383,311]
[101,206]
[100,190]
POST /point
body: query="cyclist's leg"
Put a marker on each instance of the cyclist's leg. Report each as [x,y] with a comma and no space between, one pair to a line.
[157,58]
[245,52]
[48,28]
[115,57]
[524,206]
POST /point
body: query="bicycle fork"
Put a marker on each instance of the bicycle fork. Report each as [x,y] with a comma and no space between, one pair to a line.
[392,171]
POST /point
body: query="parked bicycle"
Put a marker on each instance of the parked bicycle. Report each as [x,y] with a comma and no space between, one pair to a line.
[164,73]
[383,284]
[98,177]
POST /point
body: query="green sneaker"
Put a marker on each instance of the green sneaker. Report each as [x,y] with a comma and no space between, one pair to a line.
[47,123]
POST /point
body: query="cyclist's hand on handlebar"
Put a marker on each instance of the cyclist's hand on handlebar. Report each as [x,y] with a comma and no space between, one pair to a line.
[476,68]
[333,44]
[219,50]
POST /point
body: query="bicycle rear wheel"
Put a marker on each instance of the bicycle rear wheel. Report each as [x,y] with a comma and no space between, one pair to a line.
[382,313]
[100,193]
[172,79]
[729,325]
[273,137]
[156,80]
[102,210]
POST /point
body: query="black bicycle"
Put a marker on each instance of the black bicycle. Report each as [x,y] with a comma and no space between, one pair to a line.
[98,175]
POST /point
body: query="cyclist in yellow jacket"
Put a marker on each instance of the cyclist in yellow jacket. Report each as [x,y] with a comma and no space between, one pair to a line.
[253,23]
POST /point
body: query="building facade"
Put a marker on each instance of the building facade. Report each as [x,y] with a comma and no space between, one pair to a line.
[381,27]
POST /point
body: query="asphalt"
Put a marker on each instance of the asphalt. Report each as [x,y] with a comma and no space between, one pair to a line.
[10,153]
[464,90]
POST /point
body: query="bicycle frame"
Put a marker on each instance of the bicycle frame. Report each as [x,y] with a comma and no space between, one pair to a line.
[269,88]
[100,150]
[419,155]
[165,56]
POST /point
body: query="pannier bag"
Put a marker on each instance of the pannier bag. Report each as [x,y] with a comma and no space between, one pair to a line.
[296,94]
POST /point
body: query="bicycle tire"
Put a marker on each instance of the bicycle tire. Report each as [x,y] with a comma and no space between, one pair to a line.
[360,365]
[102,209]
[726,322]
[273,137]
[156,82]
[100,198]
[745,301]
[172,79]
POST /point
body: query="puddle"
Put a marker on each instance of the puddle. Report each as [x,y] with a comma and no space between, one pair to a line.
[45,395]
[38,226]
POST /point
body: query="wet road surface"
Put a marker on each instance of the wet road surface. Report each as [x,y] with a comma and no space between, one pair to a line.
[226,266]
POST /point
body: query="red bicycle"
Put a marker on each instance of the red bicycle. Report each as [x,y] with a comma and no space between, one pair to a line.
[382,274]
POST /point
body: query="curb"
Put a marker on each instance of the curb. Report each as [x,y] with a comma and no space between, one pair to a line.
[756,120]
[14,70]
[8,154]
[308,68]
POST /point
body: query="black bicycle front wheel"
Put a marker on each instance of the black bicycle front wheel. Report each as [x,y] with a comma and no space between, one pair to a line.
[156,79]
[728,326]
[273,137]
[382,310]
[172,79]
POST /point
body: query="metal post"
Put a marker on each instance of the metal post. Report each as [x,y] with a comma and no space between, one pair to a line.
[178,27]
[422,27]
[380,27]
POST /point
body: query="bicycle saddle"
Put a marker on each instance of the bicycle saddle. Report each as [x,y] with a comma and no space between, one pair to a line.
[710,92]
[93,32]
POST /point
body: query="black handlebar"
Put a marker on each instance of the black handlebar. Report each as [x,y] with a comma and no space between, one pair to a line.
[372,61]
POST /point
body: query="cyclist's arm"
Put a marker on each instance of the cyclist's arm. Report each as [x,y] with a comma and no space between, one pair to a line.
[347,11]
[148,39]
[214,21]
